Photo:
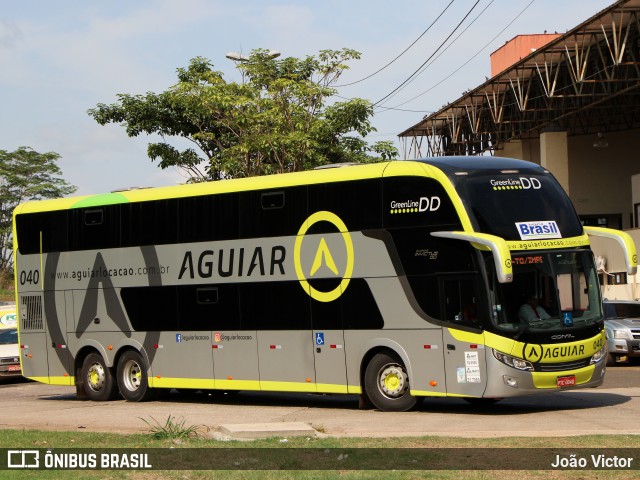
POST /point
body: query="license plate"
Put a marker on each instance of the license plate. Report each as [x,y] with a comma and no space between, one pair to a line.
[14,368]
[566,381]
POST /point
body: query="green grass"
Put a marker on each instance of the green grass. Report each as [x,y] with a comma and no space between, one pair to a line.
[44,439]
[72,439]
[172,428]
[7,295]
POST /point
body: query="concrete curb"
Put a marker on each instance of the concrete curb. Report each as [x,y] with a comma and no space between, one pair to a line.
[266,430]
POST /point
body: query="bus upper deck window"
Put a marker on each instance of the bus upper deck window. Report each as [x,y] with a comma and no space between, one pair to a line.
[93,217]
[207,296]
[272,200]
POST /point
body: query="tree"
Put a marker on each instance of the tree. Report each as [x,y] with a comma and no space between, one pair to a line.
[276,120]
[25,175]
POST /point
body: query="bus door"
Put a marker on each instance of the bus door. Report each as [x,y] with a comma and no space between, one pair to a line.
[279,313]
[286,362]
[464,358]
[328,347]
[198,307]
[191,346]
[235,348]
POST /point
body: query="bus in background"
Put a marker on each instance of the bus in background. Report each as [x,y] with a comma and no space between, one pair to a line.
[9,352]
[615,282]
[393,281]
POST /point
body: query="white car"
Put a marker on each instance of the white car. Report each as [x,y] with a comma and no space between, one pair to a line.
[9,353]
[9,349]
[8,315]
[622,325]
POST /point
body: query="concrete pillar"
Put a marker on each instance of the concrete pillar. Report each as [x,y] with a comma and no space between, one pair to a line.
[511,149]
[635,201]
[554,156]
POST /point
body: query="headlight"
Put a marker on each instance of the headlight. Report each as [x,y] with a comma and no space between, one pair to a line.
[599,355]
[513,362]
[622,334]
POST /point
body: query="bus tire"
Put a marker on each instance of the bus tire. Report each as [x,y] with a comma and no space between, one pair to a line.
[132,377]
[97,379]
[386,383]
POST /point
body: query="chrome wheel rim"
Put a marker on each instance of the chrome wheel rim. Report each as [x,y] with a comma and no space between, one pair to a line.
[132,375]
[96,377]
[393,381]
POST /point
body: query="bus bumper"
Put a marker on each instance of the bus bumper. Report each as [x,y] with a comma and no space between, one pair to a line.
[510,382]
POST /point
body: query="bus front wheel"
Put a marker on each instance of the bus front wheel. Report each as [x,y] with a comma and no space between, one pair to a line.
[97,378]
[132,377]
[387,384]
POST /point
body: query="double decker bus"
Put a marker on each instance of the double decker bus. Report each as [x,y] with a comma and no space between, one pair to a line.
[393,281]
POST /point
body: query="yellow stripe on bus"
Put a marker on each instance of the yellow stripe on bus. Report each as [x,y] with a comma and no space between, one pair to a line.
[237,385]
[545,353]
[312,177]
[301,387]
[192,383]
[550,379]
[255,385]
[548,243]
[330,388]
[426,393]
[54,380]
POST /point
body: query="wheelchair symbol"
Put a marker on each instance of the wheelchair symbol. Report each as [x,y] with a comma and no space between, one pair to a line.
[319,338]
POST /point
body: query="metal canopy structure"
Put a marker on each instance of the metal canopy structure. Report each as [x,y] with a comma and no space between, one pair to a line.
[585,81]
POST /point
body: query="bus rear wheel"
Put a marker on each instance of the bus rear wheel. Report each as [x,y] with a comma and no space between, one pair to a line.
[132,377]
[387,384]
[97,378]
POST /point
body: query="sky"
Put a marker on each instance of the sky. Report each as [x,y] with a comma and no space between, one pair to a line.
[59,59]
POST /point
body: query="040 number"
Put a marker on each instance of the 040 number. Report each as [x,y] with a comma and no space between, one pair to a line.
[30,277]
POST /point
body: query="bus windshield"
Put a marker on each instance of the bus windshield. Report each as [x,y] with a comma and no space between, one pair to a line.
[550,291]
[499,201]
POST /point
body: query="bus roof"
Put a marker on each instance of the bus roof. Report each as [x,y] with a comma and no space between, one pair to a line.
[447,165]
[474,163]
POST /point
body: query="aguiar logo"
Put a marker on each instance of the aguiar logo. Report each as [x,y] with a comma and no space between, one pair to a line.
[319,256]
[532,352]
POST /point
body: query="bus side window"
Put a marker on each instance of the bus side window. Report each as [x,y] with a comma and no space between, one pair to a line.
[93,217]
[267,214]
[272,200]
[207,218]
[94,228]
[207,296]
[460,300]
[46,231]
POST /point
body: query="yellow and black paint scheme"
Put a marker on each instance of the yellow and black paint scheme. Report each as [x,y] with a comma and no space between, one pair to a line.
[327,281]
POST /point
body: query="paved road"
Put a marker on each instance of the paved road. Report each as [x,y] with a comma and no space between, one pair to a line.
[605,410]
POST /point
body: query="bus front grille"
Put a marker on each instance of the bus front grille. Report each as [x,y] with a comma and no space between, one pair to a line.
[559,367]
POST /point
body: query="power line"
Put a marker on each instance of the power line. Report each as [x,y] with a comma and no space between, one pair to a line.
[447,48]
[470,59]
[593,75]
[396,108]
[403,52]
[408,79]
